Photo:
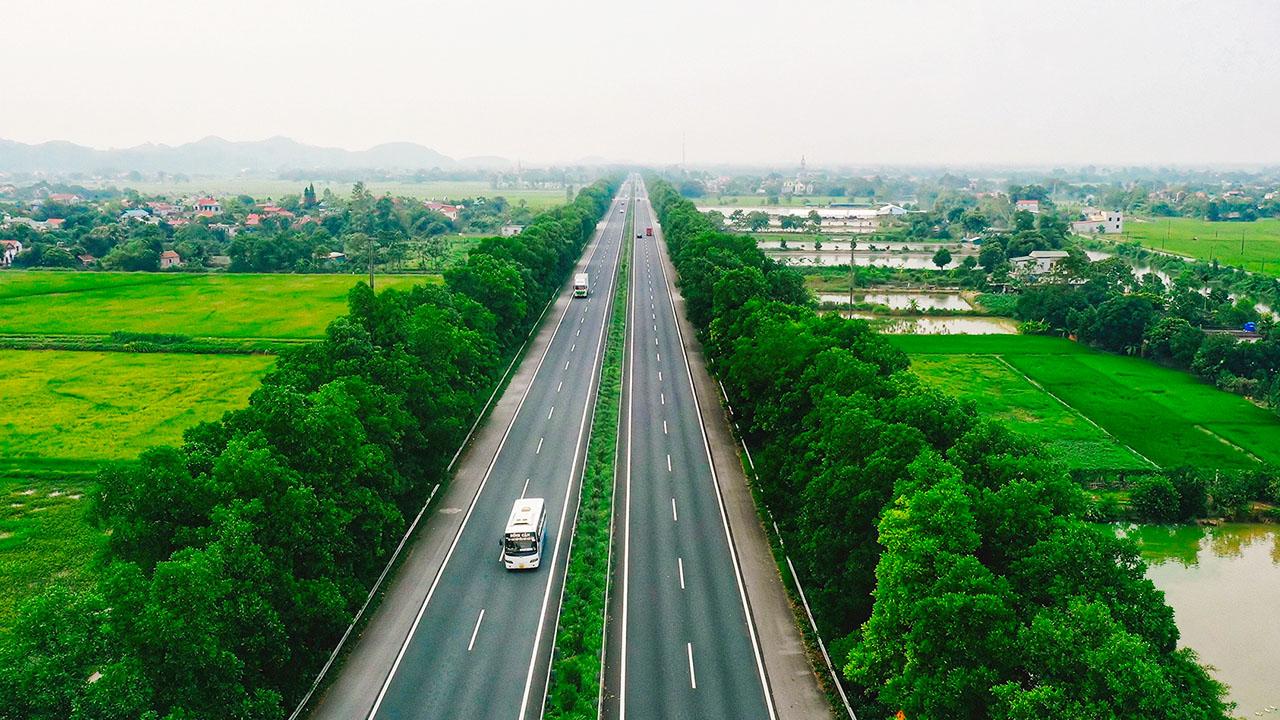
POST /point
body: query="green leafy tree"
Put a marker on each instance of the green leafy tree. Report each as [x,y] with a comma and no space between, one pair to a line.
[942,258]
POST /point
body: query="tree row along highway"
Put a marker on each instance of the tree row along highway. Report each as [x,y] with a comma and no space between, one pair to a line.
[479,642]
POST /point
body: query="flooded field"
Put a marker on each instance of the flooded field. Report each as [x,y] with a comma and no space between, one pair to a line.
[894,325]
[1223,584]
[824,258]
[902,300]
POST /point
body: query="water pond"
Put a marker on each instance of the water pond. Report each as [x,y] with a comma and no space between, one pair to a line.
[1223,584]
[926,325]
[824,258]
[901,300]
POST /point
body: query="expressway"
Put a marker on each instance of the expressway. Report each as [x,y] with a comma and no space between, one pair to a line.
[683,645]
[480,641]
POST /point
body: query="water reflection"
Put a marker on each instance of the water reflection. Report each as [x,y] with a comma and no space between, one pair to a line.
[1223,583]
[916,262]
[901,300]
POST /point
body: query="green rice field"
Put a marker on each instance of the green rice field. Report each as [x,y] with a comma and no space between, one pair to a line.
[1207,241]
[200,305]
[65,415]
[1096,410]
[45,537]
[69,411]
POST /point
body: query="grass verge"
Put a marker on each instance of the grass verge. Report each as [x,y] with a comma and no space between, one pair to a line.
[573,691]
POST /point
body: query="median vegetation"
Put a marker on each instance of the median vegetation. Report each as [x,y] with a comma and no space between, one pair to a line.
[574,691]
[236,561]
[950,557]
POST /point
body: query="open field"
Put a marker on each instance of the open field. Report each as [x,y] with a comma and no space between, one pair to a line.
[64,415]
[1165,415]
[70,411]
[1209,240]
[45,537]
[441,190]
[221,305]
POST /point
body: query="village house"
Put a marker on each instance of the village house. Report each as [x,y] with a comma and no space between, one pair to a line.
[86,260]
[227,228]
[275,211]
[449,211]
[1038,262]
[512,230]
[208,205]
[64,198]
[891,210]
[135,214]
[169,259]
[1107,222]
[9,250]
[1031,206]
[164,209]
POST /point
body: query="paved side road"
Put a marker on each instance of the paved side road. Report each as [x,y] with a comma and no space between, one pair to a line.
[456,636]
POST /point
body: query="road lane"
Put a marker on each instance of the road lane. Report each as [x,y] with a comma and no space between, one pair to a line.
[686,647]
[480,644]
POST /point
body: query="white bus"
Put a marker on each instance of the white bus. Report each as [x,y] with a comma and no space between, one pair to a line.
[525,534]
[580,285]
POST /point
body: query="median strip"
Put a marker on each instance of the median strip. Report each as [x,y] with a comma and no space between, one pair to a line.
[574,684]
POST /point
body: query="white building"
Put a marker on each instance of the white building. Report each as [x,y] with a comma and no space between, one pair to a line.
[1039,262]
[1106,222]
[511,230]
[891,210]
[9,250]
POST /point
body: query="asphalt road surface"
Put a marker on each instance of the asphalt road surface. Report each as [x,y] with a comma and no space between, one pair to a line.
[481,642]
[684,646]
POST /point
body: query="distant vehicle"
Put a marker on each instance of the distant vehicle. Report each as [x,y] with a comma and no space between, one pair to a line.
[525,534]
[580,286]
[648,231]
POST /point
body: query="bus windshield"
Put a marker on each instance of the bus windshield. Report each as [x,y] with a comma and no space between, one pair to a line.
[521,544]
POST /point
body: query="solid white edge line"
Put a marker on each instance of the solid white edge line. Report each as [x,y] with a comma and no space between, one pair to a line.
[475,631]
[386,684]
[588,412]
[724,517]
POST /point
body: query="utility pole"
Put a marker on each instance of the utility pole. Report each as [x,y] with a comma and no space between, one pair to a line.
[852,242]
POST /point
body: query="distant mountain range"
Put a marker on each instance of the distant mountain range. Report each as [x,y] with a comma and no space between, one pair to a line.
[215,156]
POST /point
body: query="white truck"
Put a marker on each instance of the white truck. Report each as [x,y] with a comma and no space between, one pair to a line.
[580,287]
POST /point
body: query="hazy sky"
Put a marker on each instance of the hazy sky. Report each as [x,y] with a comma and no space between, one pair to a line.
[1025,81]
